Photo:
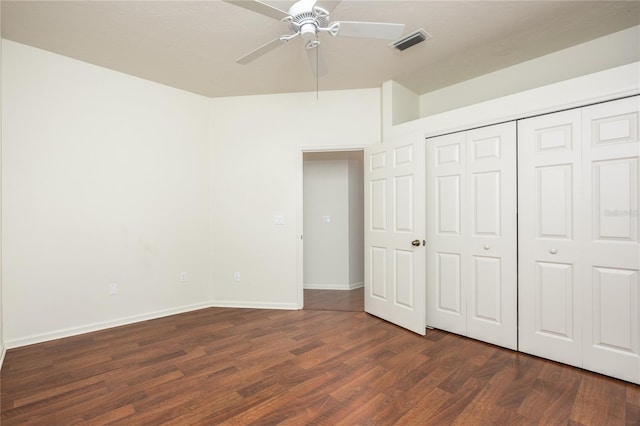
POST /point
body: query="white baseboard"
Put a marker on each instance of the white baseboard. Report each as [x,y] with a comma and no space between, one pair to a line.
[254,305]
[74,331]
[352,286]
[68,332]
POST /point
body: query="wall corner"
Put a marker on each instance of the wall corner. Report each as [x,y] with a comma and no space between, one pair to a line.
[399,105]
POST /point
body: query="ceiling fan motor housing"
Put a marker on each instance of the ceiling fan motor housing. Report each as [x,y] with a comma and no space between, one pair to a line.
[307,22]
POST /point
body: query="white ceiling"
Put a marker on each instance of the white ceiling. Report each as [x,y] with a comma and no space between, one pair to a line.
[193,45]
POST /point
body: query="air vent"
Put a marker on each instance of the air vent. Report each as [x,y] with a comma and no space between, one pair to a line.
[411,40]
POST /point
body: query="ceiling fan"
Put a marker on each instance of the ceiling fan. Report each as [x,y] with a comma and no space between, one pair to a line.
[308,20]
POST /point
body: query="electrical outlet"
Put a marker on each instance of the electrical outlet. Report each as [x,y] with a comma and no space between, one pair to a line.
[236,276]
[113,289]
[183,277]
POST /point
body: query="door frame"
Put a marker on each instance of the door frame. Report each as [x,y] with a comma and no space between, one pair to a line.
[301,150]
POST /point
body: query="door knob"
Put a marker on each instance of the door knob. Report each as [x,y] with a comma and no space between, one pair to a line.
[553,251]
[415,243]
[486,247]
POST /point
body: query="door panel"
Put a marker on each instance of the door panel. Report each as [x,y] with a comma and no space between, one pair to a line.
[554,190]
[378,272]
[448,290]
[491,263]
[611,254]
[446,248]
[611,222]
[615,316]
[554,301]
[403,278]
[378,212]
[486,289]
[448,205]
[549,275]
[486,202]
[403,203]
[394,268]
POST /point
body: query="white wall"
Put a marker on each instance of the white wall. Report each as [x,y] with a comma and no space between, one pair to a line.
[105,179]
[333,251]
[110,178]
[257,142]
[356,220]
[406,105]
[600,54]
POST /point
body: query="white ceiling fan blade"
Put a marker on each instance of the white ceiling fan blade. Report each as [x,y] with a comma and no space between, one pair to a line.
[316,61]
[255,54]
[261,8]
[329,6]
[379,30]
[305,4]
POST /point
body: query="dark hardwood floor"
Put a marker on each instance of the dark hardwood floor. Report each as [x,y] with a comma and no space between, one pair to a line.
[245,366]
[334,300]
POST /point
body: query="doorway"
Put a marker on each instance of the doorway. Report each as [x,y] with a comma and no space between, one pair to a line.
[333,230]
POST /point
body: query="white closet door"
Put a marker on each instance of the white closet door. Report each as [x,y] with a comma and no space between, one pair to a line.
[490,268]
[471,234]
[446,236]
[549,214]
[611,255]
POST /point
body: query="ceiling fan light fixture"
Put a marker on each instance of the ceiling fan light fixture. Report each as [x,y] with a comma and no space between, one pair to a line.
[410,40]
[308,31]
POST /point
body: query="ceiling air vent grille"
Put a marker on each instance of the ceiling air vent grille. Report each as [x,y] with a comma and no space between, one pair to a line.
[411,40]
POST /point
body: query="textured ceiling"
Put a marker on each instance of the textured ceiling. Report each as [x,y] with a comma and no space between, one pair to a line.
[193,45]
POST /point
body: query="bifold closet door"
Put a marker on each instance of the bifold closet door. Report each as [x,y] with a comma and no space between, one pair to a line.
[549,237]
[447,248]
[579,301]
[492,296]
[471,229]
[611,255]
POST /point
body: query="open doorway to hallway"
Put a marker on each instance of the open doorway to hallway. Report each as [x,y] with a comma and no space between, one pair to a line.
[333,217]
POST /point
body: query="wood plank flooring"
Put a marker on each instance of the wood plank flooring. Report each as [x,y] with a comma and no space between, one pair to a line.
[334,300]
[246,366]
